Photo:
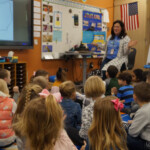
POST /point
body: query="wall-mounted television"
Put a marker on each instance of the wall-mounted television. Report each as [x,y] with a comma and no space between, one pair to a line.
[16,24]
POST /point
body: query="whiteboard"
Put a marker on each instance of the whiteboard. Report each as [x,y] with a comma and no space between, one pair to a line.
[64,35]
[71,34]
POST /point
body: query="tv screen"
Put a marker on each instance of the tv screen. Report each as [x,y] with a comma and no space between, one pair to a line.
[16,24]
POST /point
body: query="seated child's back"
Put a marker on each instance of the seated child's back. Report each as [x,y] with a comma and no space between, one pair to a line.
[106,131]
[140,126]
[71,109]
[111,80]
[61,76]
[7,109]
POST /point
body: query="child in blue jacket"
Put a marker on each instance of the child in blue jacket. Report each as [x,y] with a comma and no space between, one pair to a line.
[71,108]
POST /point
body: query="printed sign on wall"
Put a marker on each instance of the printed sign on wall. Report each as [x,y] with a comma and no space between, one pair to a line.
[92,27]
[92,21]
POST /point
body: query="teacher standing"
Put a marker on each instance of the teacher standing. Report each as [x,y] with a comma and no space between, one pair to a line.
[117,47]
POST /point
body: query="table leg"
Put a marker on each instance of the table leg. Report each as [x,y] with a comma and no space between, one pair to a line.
[84,69]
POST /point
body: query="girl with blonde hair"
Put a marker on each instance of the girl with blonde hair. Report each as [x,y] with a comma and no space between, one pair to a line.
[106,131]
[94,88]
[29,92]
[7,109]
[42,125]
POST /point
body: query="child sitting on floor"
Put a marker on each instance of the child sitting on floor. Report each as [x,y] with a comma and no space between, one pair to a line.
[71,108]
[29,92]
[148,78]
[40,72]
[125,93]
[6,76]
[111,80]
[137,76]
[144,75]
[7,109]
[42,125]
[72,111]
[138,133]
[94,88]
[61,76]
[106,131]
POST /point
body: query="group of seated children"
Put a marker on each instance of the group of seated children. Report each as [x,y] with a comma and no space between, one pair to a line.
[52,120]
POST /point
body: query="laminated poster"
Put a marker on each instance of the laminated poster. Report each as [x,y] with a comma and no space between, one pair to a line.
[58,20]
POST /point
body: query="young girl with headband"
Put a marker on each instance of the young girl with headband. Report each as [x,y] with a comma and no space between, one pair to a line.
[42,124]
[106,131]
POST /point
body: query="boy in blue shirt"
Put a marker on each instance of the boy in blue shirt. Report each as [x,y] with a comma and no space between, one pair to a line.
[125,92]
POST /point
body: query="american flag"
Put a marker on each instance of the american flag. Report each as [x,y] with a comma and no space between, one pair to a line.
[129,15]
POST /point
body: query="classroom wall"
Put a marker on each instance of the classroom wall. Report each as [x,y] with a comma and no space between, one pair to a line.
[142,34]
[33,57]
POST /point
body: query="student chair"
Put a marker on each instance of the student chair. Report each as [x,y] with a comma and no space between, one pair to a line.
[131,60]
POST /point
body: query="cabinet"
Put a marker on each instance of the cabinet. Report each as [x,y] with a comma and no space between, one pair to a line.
[18,74]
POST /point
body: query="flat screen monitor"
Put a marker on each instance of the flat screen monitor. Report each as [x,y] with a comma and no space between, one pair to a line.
[16,24]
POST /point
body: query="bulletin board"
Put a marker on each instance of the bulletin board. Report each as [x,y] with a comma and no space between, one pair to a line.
[63,26]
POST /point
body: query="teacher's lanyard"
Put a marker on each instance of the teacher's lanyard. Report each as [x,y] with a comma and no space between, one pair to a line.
[113,48]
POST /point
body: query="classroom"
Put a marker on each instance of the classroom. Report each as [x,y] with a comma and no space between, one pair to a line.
[74,75]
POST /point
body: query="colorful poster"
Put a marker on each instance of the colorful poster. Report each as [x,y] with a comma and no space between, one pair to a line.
[92,27]
[47,28]
[92,21]
[96,37]
[47,38]
[47,8]
[47,18]
[76,20]
[57,36]
[47,48]
[57,20]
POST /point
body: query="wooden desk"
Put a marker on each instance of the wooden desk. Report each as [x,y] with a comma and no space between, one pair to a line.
[84,57]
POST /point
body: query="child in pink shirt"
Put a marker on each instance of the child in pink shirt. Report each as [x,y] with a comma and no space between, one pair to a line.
[42,125]
[7,109]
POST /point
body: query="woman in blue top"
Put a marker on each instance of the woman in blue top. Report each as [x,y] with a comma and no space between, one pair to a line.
[117,47]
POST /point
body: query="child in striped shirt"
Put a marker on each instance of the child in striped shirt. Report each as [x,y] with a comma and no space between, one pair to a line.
[125,92]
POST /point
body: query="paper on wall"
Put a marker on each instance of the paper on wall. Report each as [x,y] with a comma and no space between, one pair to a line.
[104,27]
[37,10]
[47,48]
[37,34]
[37,16]
[48,56]
[105,15]
[36,41]
[37,22]
[57,36]
[37,28]
[36,3]
[148,57]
